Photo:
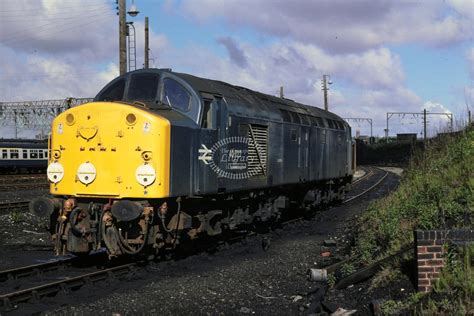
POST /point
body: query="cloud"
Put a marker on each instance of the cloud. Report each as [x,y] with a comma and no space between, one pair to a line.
[58,53]
[365,85]
[470,61]
[235,52]
[59,28]
[463,7]
[340,26]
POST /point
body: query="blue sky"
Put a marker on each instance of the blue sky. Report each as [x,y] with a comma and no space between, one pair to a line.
[400,56]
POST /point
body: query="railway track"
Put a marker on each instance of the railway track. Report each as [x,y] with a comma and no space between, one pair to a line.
[65,284]
[382,174]
[62,281]
[13,182]
[6,207]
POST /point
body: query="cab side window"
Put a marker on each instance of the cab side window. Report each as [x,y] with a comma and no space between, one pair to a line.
[176,96]
[209,115]
[180,98]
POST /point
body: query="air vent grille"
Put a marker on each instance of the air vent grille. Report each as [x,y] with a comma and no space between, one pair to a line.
[258,148]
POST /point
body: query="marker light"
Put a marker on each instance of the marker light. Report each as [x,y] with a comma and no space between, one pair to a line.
[86,173]
[55,172]
[145,174]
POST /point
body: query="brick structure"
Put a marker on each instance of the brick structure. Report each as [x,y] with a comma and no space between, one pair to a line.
[429,253]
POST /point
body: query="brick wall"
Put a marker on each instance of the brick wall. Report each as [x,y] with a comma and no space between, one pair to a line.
[429,253]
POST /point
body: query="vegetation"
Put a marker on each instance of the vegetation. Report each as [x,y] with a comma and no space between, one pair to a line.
[436,192]
[453,293]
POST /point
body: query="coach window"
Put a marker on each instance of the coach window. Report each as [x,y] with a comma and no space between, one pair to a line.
[14,154]
[143,87]
[179,98]
[41,154]
[113,92]
[24,153]
[34,153]
[4,154]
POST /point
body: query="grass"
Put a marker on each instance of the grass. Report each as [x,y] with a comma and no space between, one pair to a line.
[436,192]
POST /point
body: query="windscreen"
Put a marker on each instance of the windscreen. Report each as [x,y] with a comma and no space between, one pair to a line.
[143,87]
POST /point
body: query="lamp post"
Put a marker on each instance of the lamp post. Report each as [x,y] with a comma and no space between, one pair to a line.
[123,32]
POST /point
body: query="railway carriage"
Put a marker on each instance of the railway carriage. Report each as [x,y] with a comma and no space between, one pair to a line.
[21,155]
[161,156]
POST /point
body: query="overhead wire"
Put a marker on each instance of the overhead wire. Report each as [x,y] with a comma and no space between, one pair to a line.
[81,5]
[26,37]
[42,26]
[61,11]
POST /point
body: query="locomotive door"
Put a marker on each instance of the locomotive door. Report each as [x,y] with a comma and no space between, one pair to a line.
[303,163]
[213,128]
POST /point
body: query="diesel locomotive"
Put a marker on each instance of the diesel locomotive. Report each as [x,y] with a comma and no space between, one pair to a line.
[160,157]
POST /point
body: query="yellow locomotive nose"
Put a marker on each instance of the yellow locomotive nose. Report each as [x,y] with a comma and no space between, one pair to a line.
[106,149]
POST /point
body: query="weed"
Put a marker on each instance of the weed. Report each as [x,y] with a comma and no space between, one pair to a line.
[331,280]
[384,277]
[436,192]
[347,269]
[17,217]
[391,307]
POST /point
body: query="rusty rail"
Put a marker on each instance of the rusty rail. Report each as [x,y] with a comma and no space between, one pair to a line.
[385,174]
[6,207]
[34,269]
[15,182]
[7,301]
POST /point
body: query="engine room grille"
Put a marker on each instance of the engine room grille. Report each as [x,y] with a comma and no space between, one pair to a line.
[257,155]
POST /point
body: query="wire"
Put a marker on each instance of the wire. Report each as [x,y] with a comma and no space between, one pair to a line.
[19,39]
[41,26]
[43,12]
[61,7]
[40,18]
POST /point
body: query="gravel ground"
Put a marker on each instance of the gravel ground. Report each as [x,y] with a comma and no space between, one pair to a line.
[237,278]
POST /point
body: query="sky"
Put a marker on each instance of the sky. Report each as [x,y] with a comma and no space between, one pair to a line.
[382,56]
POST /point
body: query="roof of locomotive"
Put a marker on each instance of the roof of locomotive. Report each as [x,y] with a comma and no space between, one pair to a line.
[243,100]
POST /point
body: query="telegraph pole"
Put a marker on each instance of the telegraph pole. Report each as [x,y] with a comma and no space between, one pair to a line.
[122,37]
[146,44]
[325,82]
[424,126]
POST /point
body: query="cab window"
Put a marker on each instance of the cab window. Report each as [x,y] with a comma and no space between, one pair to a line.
[114,92]
[176,96]
[143,87]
